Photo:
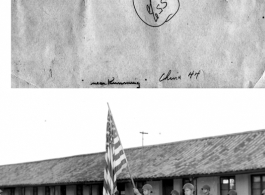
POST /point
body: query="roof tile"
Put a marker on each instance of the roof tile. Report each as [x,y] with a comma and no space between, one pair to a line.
[234,152]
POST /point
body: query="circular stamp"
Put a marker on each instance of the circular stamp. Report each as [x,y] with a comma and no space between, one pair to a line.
[155,13]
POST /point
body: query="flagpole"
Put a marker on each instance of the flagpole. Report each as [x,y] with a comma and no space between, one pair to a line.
[122,149]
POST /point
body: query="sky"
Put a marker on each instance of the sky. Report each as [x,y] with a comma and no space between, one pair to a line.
[39,124]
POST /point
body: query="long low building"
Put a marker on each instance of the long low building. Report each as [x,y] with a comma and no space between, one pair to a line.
[234,161]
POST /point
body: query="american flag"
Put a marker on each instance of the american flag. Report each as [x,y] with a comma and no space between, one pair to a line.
[115,158]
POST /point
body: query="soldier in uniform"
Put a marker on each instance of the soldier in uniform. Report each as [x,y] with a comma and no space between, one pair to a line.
[188,189]
[232,192]
[174,192]
[147,189]
[206,190]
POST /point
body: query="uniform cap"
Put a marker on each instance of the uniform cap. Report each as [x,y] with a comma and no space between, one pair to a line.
[232,192]
[189,186]
[206,187]
[263,192]
[147,187]
[174,192]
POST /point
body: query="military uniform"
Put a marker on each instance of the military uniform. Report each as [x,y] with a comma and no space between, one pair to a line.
[232,192]
[189,186]
[145,187]
[206,187]
[174,192]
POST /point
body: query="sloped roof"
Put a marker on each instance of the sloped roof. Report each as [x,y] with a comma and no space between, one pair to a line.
[212,155]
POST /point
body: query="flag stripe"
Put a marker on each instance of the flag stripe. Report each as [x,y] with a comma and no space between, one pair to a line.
[115,158]
[119,157]
[118,151]
[121,167]
[118,167]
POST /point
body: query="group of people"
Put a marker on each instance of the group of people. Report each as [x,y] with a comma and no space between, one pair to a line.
[188,190]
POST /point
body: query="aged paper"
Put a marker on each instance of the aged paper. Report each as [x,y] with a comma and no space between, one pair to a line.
[138,43]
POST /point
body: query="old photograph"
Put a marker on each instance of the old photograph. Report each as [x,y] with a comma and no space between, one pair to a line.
[182,144]
[138,44]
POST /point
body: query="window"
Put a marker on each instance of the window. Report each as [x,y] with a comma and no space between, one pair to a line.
[139,185]
[91,189]
[22,191]
[12,191]
[167,186]
[79,189]
[63,190]
[121,188]
[100,187]
[52,190]
[47,190]
[257,184]
[35,190]
[227,184]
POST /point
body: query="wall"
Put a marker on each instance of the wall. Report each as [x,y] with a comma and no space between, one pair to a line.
[41,190]
[57,190]
[213,182]
[129,189]
[29,191]
[17,191]
[157,187]
[71,190]
[5,192]
[177,185]
[95,189]
[86,190]
[243,186]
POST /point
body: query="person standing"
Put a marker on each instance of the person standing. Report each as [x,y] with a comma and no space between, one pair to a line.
[206,190]
[147,190]
[188,189]
[232,192]
[174,192]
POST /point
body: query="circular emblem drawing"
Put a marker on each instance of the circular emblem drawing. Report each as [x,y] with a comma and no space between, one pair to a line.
[155,13]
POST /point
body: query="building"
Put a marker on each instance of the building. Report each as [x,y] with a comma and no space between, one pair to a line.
[234,161]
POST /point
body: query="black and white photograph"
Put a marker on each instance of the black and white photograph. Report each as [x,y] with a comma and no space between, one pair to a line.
[138,43]
[133,143]
[73,120]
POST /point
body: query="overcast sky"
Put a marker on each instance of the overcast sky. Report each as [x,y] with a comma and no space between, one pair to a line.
[38,124]
[41,124]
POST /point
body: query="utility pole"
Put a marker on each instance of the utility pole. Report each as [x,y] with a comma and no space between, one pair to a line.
[142,147]
[143,137]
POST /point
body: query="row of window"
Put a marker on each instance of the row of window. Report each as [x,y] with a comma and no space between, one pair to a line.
[229,183]
[50,190]
[258,184]
[226,184]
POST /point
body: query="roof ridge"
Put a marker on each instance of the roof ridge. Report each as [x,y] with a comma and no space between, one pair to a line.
[37,161]
[202,138]
[139,147]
